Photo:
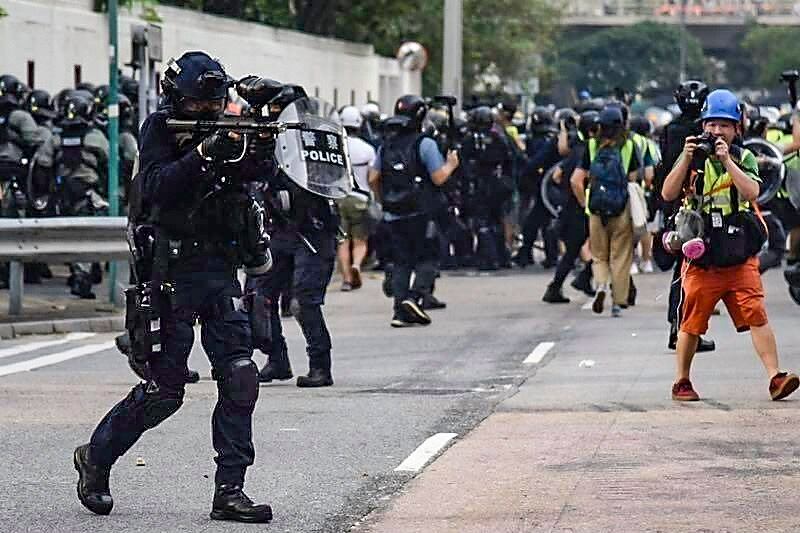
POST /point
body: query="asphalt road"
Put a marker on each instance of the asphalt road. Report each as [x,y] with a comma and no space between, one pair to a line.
[326,458]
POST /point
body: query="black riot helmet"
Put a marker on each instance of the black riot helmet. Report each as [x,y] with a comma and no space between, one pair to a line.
[690,97]
[611,122]
[196,86]
[413,107]
[60,98]
[40,107]
[12,91]
[77,110]
[641,125]
[481,118]
[588,122]
[541,120]
[623,109]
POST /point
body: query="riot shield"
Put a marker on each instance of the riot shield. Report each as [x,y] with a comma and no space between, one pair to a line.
[793,184]
[771,169]
[314,156]
[553,196]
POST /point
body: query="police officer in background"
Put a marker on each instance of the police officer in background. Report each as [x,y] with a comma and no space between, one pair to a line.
[407,168]
[128,143]
[487,175]
[542,151]
[303,226]
[690,97]
[38,103]
[184,234]
[76,156]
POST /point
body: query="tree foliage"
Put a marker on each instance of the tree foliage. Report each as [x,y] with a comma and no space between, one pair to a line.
[643,57]
[772,50]
[504,36]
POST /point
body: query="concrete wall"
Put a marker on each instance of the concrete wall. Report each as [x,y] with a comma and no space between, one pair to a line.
[59,34]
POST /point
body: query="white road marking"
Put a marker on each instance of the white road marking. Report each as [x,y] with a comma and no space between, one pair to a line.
[425,451]
[55,358]
[33,346]
[587,306]
[538,353]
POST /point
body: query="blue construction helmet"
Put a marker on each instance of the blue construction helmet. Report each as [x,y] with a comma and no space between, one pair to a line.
[721,104]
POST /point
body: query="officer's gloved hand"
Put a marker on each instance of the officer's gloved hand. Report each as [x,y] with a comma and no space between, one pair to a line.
[222,145]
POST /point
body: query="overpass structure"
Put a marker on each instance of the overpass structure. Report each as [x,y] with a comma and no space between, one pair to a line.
[718,24]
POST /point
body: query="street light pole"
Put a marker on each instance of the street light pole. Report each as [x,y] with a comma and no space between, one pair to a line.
[453,45]
[683,40]
[113,131]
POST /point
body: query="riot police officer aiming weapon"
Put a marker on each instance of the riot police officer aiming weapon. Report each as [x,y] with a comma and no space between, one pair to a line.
[189,231]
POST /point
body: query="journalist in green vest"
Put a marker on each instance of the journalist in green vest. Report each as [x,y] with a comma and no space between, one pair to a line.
[719,183]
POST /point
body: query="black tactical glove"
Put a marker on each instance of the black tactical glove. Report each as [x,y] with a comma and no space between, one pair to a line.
[261,148]
[221,145]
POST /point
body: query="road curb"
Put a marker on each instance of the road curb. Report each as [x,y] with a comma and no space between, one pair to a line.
[72,325]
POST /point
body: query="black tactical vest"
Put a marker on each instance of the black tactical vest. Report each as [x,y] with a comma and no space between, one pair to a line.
[405,183]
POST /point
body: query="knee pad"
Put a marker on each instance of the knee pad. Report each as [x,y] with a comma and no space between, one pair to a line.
[239,383]
[156,403]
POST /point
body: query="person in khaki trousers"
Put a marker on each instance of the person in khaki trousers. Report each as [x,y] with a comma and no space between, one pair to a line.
[610,238]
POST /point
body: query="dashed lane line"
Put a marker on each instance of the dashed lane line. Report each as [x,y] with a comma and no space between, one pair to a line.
[420,457]
[33,346]
[52,359]
[538,353]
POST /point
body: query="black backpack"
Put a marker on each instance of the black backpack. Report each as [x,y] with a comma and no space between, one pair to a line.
[608,189]
[404,179]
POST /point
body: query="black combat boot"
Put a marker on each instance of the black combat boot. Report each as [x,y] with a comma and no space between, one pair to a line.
[553,295]
[583,282]
[93,489]
[431,302]
[81,286]
[231,503]
[523,257]
[316,377]
[270,372]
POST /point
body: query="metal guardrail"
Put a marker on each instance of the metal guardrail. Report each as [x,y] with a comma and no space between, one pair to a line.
[57,240]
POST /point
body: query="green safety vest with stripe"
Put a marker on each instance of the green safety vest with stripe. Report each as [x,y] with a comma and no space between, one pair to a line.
[718,183]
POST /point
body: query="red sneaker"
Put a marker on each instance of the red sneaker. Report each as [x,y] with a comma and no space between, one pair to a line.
[782,385]
[682,391]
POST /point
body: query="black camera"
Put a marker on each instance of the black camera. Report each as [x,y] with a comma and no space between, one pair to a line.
[790,76]
[706,145]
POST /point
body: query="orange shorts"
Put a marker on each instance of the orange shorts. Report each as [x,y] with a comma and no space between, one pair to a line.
[739,287]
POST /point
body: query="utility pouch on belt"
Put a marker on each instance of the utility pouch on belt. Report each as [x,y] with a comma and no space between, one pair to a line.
[736,237]
[259,311]
[144,304]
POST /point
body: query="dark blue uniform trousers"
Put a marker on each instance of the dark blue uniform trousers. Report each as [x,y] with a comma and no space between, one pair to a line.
[205,289]
[308,273]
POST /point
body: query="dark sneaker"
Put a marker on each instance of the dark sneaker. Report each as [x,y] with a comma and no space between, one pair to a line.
[316,378]
[599,300]
[782,385]
[401,320]
[616,311]
[431,302]
[632,292]
[356,275]
[231,503]
[270,372]
[415,312]
[93,489]
[553,295]
[682,391]
[523,257]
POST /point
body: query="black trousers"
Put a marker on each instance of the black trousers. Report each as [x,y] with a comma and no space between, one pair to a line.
[205,289]
[308,273]
[574,229]
[415,249]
